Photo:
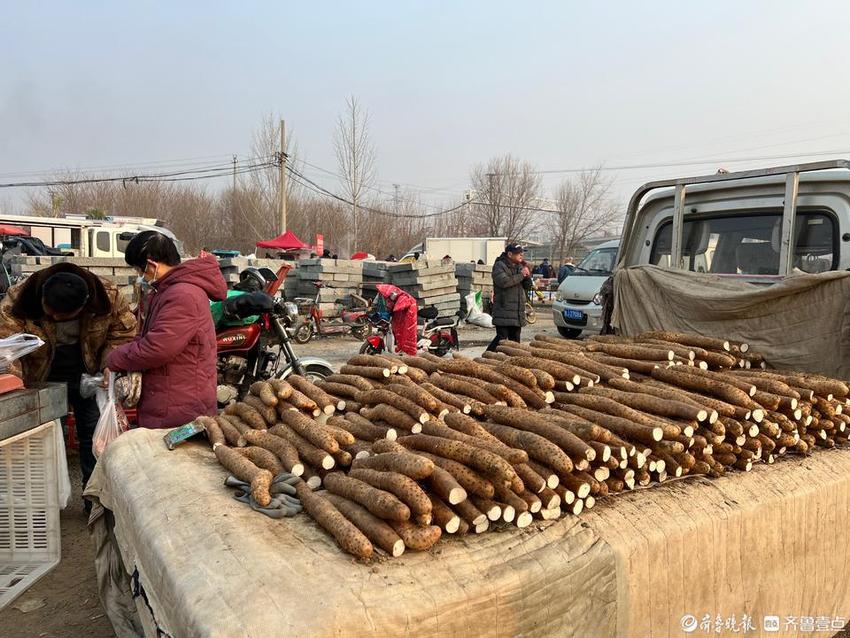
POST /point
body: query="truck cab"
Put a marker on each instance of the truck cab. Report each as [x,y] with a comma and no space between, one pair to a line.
[759,226]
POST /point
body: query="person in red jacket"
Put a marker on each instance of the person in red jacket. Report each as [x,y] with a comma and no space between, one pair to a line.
[176,349]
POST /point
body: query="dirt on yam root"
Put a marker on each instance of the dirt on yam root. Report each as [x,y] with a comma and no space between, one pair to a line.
[259,479]
[411,465]
[265,391]
[403,487]
[380,503]
[376,530]
[346,533]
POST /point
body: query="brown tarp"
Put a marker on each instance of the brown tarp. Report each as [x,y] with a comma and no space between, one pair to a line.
[800,323]
[771,541]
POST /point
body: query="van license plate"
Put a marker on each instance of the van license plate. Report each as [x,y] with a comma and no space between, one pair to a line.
[574,315]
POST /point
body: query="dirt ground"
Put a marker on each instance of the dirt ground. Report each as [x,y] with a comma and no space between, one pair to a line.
[64,602]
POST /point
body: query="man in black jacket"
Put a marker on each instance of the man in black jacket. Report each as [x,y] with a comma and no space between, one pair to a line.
[511,283]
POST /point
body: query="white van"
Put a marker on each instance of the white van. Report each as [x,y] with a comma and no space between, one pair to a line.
[578,307]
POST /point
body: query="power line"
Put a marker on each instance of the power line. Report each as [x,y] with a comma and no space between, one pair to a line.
[172,176]
[316,188]
[176,163]
[695,162]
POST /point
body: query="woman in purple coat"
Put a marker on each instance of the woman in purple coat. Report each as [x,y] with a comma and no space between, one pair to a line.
[176,349]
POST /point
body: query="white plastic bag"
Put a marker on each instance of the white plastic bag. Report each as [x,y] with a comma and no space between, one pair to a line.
[475,311]
[62,464]
[17,346]
[112,422]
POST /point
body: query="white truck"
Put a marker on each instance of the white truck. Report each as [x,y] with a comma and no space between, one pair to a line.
[460,249]
[84,237]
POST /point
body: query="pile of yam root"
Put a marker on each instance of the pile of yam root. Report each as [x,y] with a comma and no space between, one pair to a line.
[406,449]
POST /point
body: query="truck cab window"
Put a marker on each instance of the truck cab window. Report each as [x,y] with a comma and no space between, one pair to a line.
[748,244]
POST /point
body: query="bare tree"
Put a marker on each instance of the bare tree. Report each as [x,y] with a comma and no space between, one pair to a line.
[355,156]
[506,190]
[584,209]
[265,144]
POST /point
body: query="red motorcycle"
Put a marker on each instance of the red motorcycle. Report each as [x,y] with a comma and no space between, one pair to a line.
[261,349]
[437,335]
[352,318]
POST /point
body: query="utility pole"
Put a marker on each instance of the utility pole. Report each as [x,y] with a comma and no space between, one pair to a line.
[281,195]
[234,173]
[395,198]
[494,213]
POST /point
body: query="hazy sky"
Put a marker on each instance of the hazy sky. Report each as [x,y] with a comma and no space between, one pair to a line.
[562,84]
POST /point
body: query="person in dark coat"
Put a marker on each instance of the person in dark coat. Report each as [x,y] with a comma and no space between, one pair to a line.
[80,317]
[511,283]
[176,350]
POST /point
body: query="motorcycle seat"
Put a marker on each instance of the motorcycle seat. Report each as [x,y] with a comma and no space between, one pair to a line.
[442,321]
[251,303]
[429,312]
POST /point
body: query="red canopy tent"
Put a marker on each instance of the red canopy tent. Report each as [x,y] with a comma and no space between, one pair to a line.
[13,230]
[287,241]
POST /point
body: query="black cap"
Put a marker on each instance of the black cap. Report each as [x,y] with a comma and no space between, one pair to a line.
[514,248]
[65,292]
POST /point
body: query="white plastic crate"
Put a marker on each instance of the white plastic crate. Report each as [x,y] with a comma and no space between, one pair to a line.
[30,542]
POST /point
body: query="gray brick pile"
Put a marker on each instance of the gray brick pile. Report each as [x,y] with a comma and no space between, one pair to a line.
[430,282]
[474,278]
[340,278]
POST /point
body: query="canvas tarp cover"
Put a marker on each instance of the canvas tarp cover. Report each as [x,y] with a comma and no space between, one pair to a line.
[800,323]
[770,541]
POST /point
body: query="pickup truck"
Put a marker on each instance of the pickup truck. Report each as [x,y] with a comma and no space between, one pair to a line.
[760,225]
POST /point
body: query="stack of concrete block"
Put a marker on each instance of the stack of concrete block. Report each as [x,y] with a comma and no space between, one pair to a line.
[339,277]
[374,273]
[431,282]
[115,270]
[474,278]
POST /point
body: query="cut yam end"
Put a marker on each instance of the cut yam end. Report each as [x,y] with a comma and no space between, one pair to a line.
[494,513]
[297,470]
[482,527]
[453,525]
[508,514]
[330,409]
[392,435]
[550,397]
[577,507]
[398,548]
[552,481]
[362,454]
[524,519]
[416,428]
[583,490]
[328,462]
[457,495]
[589,502]
[657,434]
[314,482]
[551,514]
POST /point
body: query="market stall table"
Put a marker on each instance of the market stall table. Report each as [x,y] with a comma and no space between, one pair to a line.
[772,541]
